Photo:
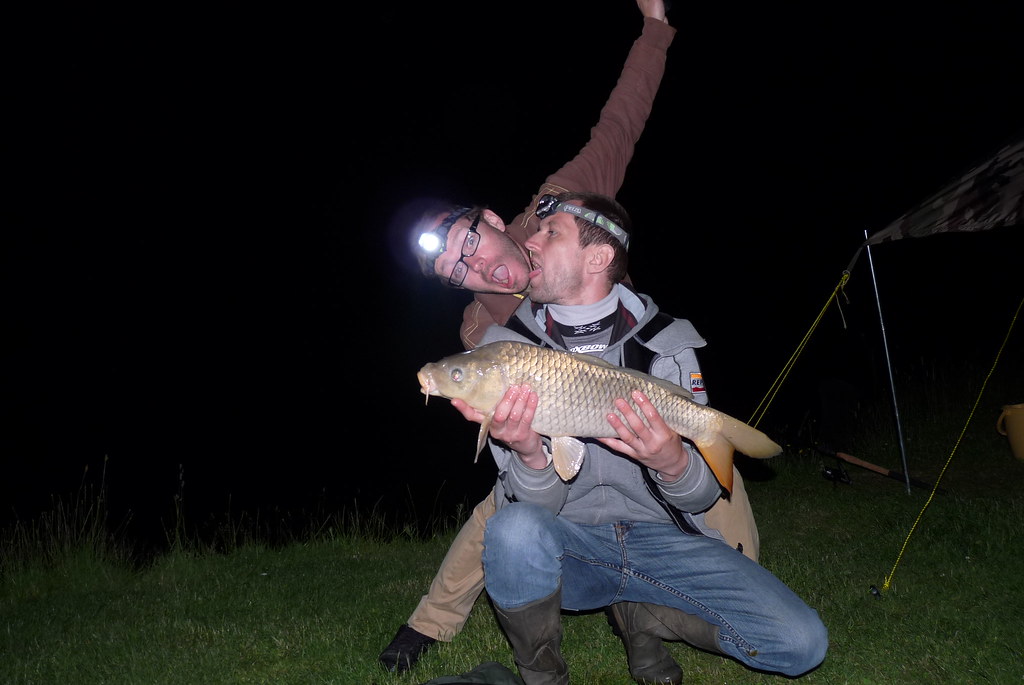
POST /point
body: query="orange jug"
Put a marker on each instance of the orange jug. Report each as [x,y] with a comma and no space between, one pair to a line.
[1011,424]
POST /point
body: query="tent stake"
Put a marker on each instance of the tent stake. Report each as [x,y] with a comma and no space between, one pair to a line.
[888,364]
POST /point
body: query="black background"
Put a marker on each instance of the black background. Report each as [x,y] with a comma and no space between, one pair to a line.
[201,276]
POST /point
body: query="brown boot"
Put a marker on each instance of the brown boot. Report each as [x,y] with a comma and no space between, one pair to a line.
[642,627]
[649,660]
[535,632]
[674,624]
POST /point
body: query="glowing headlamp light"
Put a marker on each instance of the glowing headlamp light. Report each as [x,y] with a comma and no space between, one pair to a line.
[434,243]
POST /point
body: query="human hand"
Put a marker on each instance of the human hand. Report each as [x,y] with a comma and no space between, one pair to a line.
[511,423]
[654,9]
[652,443]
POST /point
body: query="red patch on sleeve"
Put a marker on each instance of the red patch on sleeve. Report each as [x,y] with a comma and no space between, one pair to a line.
[696,383]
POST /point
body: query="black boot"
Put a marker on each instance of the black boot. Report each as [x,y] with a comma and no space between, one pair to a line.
[535,632]
[405,649]
[649,660]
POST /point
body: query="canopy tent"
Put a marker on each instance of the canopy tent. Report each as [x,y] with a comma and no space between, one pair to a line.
[990,195]
[987,196]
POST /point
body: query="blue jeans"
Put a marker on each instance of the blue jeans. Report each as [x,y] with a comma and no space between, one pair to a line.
[528,552]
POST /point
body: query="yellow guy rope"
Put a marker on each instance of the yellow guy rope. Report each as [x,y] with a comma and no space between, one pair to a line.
[762,408]
[888,578]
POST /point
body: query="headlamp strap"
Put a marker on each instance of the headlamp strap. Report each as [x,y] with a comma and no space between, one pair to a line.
[549,204]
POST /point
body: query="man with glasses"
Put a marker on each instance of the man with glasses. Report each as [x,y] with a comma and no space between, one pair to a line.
[473,248]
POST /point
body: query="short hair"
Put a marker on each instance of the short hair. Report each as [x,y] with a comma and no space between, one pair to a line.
[592,234]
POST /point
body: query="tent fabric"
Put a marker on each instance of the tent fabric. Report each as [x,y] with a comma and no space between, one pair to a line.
[988,196]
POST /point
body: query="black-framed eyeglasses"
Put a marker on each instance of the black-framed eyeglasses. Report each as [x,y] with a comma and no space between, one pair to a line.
[469,245]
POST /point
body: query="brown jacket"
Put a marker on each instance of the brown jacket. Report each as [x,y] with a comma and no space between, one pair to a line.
[600,167]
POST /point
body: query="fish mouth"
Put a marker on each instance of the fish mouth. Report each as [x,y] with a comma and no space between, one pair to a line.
[427,386]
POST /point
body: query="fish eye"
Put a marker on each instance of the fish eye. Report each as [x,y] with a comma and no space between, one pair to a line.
[456,374]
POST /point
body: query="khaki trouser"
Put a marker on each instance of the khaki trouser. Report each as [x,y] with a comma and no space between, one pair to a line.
[443,611]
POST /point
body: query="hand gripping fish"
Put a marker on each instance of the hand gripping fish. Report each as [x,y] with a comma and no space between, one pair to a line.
[576,393]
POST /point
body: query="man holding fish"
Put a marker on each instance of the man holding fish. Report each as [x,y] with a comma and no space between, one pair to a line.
[474,249]
[627,525]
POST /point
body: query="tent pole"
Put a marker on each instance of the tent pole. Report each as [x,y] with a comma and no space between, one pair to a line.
[888,364]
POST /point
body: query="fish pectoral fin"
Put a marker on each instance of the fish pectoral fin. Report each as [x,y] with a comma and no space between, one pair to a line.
[567,455]
[717,452]
[481,438]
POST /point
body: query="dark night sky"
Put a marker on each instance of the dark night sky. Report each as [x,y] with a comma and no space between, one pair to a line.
[197,268]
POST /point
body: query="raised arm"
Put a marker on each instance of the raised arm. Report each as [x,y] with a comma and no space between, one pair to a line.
[600,166]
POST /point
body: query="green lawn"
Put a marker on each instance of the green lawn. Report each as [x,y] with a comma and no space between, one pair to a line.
[75,607]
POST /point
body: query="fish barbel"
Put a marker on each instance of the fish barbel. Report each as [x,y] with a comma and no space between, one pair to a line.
[576,392]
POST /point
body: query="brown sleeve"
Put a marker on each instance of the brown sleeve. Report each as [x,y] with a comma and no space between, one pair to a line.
[600,167]
[484,310]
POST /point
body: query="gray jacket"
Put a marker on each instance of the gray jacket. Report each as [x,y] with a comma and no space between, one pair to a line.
[609,486]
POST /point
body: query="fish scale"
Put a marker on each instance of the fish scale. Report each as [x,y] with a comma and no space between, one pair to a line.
[556,375]
[576,392]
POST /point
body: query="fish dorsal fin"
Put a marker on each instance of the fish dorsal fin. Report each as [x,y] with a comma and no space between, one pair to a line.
[567,455]
[669,386]
[591,359]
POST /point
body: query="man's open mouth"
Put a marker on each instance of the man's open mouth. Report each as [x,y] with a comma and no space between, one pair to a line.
[500,275]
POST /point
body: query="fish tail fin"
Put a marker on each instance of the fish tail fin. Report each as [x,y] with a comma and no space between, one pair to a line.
[717,452]
[749,440]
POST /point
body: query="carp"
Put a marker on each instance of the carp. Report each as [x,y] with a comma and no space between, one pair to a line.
[576,392]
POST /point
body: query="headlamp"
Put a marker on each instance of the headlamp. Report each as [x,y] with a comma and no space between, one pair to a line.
[431,243]
[434,242]
[549,204]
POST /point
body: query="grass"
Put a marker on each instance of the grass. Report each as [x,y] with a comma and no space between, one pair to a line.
[77,604]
